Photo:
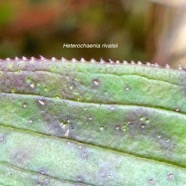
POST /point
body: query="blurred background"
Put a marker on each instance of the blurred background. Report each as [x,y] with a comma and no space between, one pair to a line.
[145,30]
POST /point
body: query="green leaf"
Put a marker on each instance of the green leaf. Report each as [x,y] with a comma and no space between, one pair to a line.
[72,123]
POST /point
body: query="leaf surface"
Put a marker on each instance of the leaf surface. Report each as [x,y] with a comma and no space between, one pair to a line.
[65,123]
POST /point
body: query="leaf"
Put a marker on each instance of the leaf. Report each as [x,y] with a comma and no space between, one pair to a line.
[71,123]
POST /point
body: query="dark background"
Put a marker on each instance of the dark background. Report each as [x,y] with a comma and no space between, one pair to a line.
[142,29]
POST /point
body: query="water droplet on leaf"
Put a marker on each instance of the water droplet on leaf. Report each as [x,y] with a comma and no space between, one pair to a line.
[101,128]
[124,127]
[171,176]
[24,105]
[177,110]
[168,140]
[96,82]
[41,102]
[42,177]
[57,96]
[142,118]
[147,121]
[32,85]
[80,147]
[151,181]
[142,125]
[45,89]
[127,88]
[13,90]
[112,108]
[67,133]
[117,127]
[2,138]
[71,87]
[90,118]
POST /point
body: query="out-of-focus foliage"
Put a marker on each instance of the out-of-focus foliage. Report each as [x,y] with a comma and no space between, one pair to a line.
[166,31]
[140,28]
[42,27]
